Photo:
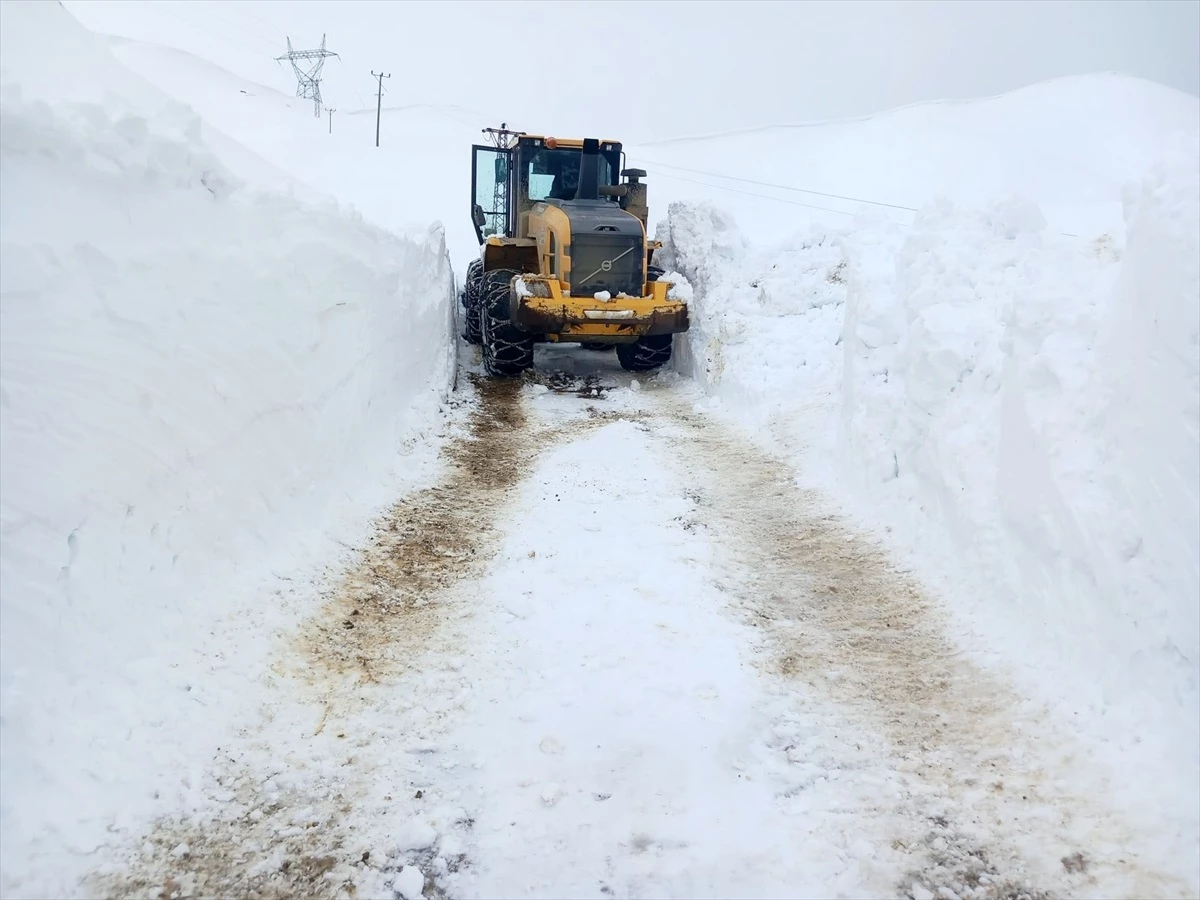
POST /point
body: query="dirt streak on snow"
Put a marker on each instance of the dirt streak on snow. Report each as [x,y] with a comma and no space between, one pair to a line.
[287,832]
[324,797]
[992,788]
[383,615]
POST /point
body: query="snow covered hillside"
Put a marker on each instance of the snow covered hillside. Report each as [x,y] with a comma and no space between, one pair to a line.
[1071,144]
[1015,408]
[203,384]
[415,177]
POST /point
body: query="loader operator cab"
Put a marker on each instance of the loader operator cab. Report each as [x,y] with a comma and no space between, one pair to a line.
[507,181]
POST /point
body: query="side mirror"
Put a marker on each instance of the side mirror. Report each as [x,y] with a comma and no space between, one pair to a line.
[478,216]
[613,190]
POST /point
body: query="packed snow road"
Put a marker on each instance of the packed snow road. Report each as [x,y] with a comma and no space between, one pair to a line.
[615,651]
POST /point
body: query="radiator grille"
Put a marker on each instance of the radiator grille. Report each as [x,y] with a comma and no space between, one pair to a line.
[606,262]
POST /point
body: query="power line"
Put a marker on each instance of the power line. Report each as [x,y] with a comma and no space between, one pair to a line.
[840,212]
[783,187]
[721,187]
[349,78]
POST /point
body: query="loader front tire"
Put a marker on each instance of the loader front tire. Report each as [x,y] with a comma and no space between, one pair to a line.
[472,288]
[507,350]
[650,352]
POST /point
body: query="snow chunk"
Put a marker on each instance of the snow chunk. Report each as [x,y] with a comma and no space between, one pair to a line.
[409,883]
[551,745]
[380,855]
[416,834]
[551,794]
[603,296]
[268,864]
[679,288]
[451,845]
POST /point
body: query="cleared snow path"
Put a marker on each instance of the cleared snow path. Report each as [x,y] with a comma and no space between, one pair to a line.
[616,652]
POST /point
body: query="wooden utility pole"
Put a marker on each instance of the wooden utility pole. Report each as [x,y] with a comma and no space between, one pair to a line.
[378,102]
[331,112]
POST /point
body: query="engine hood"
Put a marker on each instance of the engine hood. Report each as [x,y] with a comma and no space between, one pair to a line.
[599,217]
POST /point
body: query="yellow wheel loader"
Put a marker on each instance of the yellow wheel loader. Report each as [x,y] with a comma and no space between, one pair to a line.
[563,255]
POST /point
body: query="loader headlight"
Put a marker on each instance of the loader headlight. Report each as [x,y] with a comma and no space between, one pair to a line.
[531,288]
[609,313]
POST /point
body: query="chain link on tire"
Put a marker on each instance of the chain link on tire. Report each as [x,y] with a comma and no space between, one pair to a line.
[472,326]
[507,350]
[650,352]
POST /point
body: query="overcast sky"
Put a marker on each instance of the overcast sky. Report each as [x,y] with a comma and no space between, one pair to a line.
[642,70]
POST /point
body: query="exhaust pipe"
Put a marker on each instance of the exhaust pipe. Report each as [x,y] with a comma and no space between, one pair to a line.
[589,171]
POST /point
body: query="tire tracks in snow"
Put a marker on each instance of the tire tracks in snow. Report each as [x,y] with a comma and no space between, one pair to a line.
[287,811]
[987,812]
[363,688]
[384,613]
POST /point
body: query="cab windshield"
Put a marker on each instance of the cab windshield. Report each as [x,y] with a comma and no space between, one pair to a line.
[554,174]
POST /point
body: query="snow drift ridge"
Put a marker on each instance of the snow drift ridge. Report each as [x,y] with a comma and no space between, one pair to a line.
[200,383]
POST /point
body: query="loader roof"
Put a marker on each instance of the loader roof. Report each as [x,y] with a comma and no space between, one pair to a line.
[566,142]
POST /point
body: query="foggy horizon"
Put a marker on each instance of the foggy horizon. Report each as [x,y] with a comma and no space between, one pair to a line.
[659,74]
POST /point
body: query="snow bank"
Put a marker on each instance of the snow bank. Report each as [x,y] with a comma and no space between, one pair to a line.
[980,408]
[765,324]
[200,386]
[1149,359]
[1016,410]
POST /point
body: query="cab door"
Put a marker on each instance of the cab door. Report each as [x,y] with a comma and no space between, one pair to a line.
[491,191]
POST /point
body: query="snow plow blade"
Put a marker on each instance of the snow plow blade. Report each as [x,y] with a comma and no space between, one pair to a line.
[541,306]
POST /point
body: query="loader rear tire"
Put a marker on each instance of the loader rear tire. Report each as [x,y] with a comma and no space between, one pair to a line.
[653,273]
[507,350]
[650,352]
[472,326]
